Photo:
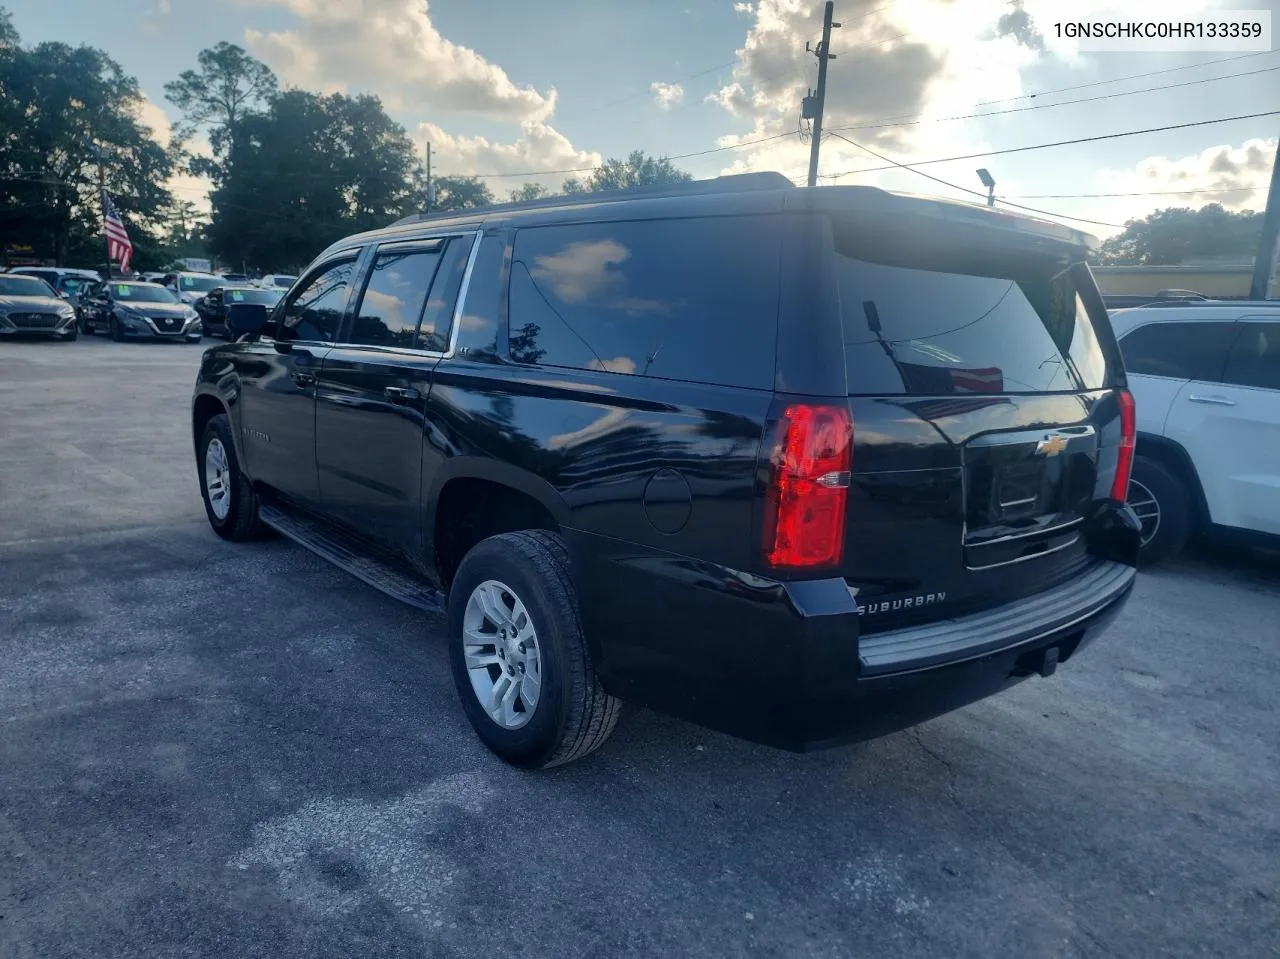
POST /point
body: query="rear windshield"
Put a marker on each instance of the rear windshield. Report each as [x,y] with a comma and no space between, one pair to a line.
[919,327]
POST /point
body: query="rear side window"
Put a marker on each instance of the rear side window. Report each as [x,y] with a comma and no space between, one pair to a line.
[393,297]
[688,299]
[1182,351]
[1255,358]
[926,328]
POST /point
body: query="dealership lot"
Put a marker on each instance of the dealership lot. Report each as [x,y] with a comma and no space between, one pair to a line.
[209,749]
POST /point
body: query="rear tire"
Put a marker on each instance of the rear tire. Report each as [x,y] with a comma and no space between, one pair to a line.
[229,500]
[572,714]
[1163,504]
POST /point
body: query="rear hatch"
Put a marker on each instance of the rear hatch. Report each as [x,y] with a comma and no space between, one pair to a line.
[981,374]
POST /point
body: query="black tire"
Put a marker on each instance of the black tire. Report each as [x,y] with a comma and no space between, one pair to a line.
[574,715]
[72,336]
[1175,522]
[85,327]
[114,326]
[241,522]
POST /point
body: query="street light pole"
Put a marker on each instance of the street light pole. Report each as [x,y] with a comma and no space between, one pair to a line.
[990,183]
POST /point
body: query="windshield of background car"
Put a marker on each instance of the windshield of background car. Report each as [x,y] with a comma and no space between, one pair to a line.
[137,293]
[284,282]
[966,323]
[265,297]
[24,286]
[198,284]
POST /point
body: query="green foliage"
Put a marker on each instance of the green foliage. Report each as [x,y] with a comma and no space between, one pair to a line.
[54,99]
[529,191]
[1171,235]
[460,193]
[638,169]
[229,85]
[305,173]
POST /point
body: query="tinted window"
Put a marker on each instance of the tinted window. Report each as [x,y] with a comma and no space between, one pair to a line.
[919,328]
[1184,351]
[692,300]
[315,312]
[478,328]
[437,316]
[393,297]
[1255,358]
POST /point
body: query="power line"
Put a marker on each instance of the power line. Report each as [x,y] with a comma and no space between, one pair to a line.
[1084,196]
[878,124]
[1045,146]
[955,186]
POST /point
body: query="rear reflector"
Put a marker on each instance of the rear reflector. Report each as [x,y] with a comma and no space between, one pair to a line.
[1128,439]
[808,487]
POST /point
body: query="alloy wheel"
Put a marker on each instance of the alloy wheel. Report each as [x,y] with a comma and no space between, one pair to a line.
[502,654]
[1146,507]
[217,478]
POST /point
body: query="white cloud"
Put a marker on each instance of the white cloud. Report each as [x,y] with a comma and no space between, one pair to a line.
[667,95]
[1235,176]
[744,7]
[539,147]
[182,185]
[391,47]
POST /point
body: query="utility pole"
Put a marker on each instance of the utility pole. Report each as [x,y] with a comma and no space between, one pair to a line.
[816,101]
[102,200]
[1264,260]
[431,193]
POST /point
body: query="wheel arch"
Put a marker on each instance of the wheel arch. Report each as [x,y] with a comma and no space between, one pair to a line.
[499,498]
[1171,454]
[205,405]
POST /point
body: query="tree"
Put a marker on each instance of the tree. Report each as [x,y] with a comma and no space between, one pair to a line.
[573,185]
[461,193]
[56,103]
[529,191]
[305,173]
[637,169]
[1169,236]
[229,85]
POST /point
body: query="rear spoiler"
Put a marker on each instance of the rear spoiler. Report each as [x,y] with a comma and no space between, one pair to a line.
[874,202]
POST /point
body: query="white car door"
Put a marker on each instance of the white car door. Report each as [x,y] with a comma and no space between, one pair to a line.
[1235,426]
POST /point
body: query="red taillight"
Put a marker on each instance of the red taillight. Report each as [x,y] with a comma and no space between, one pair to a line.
[808,488]
[1128,439]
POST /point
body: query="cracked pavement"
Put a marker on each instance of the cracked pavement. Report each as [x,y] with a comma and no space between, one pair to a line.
[219,750]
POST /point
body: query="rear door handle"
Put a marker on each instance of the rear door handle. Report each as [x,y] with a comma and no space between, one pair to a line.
[304,379]
[401,394]
[1212,400]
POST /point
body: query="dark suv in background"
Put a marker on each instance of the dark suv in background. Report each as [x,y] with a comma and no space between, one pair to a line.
[805,466]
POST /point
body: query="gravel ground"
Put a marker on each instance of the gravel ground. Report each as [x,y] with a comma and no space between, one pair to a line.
[219,750]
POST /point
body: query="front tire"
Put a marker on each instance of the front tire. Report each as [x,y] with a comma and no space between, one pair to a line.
[229,500]
[1162,502]
[71,336]
[519,658]
[114,326]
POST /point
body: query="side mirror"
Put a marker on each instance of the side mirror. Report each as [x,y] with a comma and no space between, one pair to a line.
[245,318]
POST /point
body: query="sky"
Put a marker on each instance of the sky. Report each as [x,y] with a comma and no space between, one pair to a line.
[503,87]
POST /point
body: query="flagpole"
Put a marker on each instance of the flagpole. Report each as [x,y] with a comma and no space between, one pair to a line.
[102,202]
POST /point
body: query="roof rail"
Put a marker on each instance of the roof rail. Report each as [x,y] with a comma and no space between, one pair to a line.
[737,183]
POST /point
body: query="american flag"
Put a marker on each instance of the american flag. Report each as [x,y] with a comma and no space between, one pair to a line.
[118,245]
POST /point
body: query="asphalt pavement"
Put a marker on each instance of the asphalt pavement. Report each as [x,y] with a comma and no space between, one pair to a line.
[210,749]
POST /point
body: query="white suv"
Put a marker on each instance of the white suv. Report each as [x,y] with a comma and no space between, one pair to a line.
[1205,379]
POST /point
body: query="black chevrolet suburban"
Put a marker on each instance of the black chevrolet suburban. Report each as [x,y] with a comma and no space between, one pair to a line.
[802,465]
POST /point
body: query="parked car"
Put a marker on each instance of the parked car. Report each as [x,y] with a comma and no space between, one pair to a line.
[56,276]
[29,305]
[805,466]
[213,306]
[277,281]
[131,310]
[1206,378]
[235,279]
[191,286]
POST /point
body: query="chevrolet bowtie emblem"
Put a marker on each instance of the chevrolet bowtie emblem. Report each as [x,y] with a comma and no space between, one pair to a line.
[1051,446]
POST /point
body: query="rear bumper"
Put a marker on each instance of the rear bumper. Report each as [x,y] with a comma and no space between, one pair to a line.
[783,663]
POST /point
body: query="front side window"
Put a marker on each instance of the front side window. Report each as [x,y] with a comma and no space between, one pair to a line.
[1255,357]
[1181,351]
[315,311]
[691,299]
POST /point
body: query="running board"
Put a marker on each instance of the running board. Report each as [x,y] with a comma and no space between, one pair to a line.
[347,553]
